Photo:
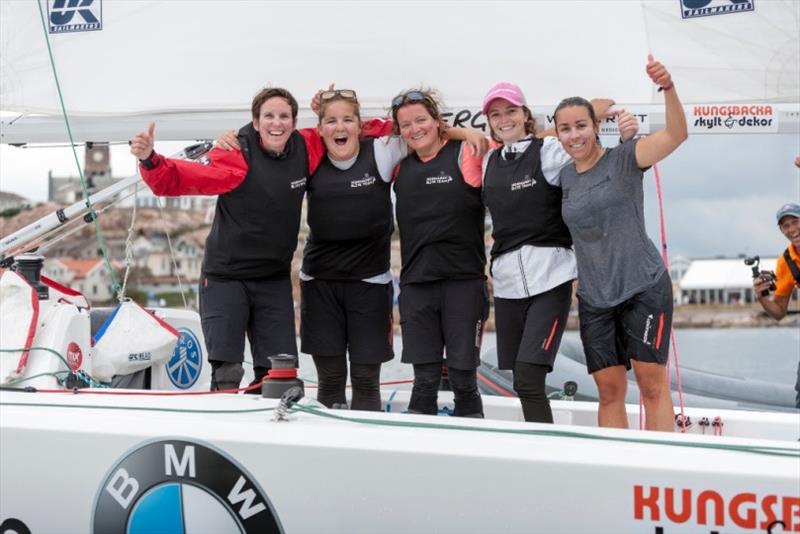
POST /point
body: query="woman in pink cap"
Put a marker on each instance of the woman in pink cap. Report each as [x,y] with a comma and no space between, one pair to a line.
[533,264]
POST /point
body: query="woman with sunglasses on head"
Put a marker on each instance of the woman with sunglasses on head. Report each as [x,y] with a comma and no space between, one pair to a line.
[624,290]
[443,296]
[346,282]
[533,265]
[245,287]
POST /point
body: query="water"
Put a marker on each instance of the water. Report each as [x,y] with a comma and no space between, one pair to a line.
[768,354]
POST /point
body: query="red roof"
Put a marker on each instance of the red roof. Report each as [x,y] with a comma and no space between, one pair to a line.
[80,267]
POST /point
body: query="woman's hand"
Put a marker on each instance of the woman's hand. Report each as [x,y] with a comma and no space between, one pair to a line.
[228,141]
[142,143]
[658,73]
[478,142]
[315,100]
[627,124]
[602,108]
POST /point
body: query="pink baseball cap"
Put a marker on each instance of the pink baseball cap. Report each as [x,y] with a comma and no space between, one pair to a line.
[506,91]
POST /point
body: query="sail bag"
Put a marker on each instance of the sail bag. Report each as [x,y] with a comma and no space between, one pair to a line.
[130,340]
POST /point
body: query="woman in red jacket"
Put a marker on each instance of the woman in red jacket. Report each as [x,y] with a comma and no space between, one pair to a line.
[245,286]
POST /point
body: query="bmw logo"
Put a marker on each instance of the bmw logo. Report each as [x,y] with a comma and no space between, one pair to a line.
[181,487]
[186,362]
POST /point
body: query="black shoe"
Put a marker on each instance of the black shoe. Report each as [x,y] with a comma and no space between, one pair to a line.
[226,375]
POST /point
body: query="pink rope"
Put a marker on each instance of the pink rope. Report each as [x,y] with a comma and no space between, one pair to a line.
[665,258]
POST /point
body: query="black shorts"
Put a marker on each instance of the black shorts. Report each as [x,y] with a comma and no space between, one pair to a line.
[263,309]
[637,329]
[340,316]
[530,329]
[444,314]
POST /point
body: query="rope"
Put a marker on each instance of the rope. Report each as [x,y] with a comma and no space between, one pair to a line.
[770,451]
[763,450]
[171,252]
[129,246]
[98,233]
[136,408]
[665,257]
[82,375]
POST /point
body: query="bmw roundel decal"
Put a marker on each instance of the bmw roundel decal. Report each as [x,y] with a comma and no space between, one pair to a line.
[186,362]
[181,487]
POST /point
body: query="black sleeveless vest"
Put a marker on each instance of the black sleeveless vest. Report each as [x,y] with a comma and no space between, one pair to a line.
[441,220]
[255,227]
[350,217]
[525,208]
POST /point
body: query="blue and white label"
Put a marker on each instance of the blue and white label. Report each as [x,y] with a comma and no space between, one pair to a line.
[706,8]
[186,363]
[74,15]
[181,487]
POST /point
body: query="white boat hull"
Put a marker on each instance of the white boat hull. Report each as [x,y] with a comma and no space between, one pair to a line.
[386,472]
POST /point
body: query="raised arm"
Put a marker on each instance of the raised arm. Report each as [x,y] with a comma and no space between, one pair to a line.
[659,145]
[171,177]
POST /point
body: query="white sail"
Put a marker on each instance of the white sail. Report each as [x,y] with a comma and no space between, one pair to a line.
[155,57]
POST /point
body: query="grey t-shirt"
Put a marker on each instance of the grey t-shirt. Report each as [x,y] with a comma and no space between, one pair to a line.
[603,208]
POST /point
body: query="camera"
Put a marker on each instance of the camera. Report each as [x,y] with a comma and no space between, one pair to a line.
[765,276]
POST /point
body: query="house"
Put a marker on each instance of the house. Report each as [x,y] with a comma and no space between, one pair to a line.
[87,275]
[188,256]
[12,201]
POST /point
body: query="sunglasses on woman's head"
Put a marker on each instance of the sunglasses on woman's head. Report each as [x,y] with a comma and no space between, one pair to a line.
[344,93]
[411,96]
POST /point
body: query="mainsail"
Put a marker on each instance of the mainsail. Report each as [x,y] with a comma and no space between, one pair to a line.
[194,66]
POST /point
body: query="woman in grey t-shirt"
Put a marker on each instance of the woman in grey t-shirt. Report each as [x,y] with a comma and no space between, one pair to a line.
[624,291]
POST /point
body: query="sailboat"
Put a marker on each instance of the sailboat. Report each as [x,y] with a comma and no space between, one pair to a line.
[174,458]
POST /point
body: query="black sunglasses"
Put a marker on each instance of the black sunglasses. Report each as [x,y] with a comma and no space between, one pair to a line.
[344,93]
[411,96]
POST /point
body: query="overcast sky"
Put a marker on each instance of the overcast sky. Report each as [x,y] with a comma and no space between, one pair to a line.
[720,192]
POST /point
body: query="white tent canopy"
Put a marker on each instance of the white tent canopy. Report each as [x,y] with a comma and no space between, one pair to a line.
[722,274]
[154,57]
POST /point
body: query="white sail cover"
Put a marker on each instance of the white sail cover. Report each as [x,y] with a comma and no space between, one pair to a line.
[19,315]
[130,340]
[150,57]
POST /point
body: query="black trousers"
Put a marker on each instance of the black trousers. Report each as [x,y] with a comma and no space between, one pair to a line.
[364,380]
[425,392]
[529,383]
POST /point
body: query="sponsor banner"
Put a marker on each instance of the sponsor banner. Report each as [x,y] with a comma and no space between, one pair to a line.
[667,509]
[473,118]
[736,118]
[706,8]
[65,16]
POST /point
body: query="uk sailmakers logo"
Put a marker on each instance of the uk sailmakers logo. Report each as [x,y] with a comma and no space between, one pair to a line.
[74,15]
[181,487]
[706,8]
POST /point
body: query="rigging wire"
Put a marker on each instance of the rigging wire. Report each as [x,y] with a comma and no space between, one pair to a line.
[98,232]
[665,257]
[171,250]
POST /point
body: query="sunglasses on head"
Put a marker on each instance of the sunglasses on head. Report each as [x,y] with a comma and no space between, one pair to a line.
[344,93]
[411,96]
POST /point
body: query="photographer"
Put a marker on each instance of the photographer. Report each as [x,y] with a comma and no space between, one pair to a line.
[787,271]
[786,277]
